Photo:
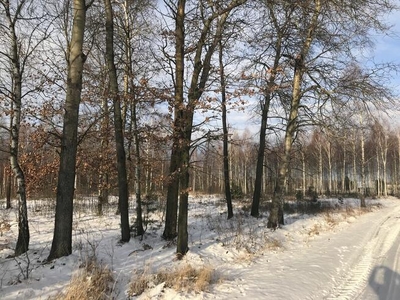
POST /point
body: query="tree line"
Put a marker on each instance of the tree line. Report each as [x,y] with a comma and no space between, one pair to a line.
[133,98]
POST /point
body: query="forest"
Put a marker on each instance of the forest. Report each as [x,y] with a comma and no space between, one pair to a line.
[156,100]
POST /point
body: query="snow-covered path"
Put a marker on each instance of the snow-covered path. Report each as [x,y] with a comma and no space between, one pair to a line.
[334,265]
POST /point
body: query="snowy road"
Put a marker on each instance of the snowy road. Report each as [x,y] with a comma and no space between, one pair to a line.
[360,260]
[384,280]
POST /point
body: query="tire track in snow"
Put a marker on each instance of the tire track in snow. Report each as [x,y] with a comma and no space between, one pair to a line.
[383,237]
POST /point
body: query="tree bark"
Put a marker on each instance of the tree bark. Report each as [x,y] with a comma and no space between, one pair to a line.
[62,238]
[15,124]
[170,230]
[138,171]
[130,94]
[363,192]
[8,190]
[23,226]
[227,182]
[103,169]
[118,125]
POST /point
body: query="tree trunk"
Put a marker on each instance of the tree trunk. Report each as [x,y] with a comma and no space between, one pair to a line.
[8,188]
[182,241]
[15,124]
[354,186]
[303,160]
[363,192]
[260,156]
[23,226]
[227,183]
[270,86]
[329,155]
[118,125]
[62,238]
[103,169]
[320,170]
[344,172]
[129,91]
[138,171]
[185,133]
[170,230]
[384,150]
[378,175]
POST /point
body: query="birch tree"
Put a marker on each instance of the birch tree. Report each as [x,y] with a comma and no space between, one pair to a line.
[318,49]
[23,34]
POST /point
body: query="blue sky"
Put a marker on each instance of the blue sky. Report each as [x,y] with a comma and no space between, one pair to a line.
[387,47]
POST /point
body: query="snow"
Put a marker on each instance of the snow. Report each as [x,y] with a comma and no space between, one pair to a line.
[328,255]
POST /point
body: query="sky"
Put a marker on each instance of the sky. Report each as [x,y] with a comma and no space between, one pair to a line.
[387,47]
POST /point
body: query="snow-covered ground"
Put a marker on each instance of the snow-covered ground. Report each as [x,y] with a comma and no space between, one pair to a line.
[341,254]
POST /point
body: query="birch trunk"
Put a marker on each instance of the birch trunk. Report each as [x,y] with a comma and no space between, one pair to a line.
[320,170]
[23,226]
[384,164]
[362,197]
[303,160]
[344,169]
[329,154]
[354,187]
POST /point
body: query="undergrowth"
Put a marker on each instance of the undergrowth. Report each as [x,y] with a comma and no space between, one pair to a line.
[93,281]
[182,279]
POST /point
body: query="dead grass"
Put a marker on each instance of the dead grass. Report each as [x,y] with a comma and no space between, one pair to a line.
[314,230]
[330,219]
[93,282]
[273,244]
[4,226]
[183,279]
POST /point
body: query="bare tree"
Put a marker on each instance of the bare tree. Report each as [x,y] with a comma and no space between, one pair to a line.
[23,35]
[213,18]
[62,237]
[118,125]
[227,183]
[277,30]
[312,66]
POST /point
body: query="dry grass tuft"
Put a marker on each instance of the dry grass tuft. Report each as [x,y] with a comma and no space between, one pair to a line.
[330,219]
[351,212]
[141,281]
[273,244]
[94,281]
[183,279]
[314,230]
[4,226]
[187,278]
